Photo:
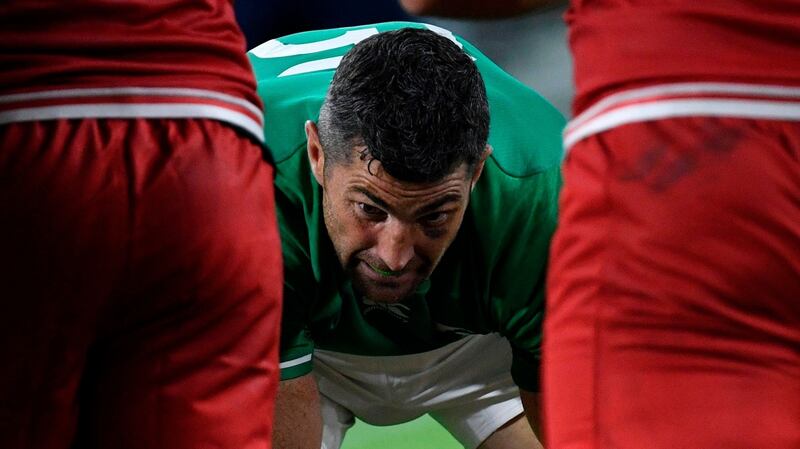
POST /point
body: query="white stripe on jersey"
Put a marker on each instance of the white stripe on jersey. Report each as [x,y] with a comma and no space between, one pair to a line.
[131,91]
[134,110]
[294,362]
[685,100]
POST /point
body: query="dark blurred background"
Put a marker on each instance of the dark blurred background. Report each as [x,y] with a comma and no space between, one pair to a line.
[262,20]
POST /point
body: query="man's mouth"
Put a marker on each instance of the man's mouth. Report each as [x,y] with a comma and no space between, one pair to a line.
[384,273]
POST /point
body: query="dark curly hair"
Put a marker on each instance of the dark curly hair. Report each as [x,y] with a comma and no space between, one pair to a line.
[414,99]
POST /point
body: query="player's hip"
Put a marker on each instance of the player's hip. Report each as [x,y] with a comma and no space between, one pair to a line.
[387,390]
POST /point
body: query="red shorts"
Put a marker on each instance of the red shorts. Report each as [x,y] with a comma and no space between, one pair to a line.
[674,288]
[140,286]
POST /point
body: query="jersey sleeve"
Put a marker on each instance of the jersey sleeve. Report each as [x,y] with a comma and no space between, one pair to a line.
[298,208]
[296,355]
[297,345]
[518,278]
[523,327]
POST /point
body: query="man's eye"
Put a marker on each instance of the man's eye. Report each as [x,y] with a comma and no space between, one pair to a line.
[370,210]
[435,219]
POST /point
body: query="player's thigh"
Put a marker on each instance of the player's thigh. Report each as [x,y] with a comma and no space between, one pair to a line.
[466,386]
[190,356]
[336,421]
[495,423]
[670,288]
[514,434]
[62,234]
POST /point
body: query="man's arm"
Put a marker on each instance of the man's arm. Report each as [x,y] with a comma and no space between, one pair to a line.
[476,9]
[532,403]
[298,420]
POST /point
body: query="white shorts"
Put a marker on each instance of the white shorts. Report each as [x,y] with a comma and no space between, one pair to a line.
[466,386]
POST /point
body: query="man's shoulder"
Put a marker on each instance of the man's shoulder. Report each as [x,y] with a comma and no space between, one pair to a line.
[510,210]
[318,50]
[525,130]
[293,176]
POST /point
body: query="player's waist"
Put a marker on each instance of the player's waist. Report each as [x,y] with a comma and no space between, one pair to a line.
[371,354]
[132,102]
[663,101]
[624,46]
[400,365]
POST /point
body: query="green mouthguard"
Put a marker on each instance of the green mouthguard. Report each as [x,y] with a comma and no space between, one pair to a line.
[382,272]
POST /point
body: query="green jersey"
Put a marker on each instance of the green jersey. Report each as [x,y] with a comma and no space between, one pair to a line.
[492,277]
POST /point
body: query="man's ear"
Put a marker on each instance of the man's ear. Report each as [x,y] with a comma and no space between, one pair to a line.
[316,157]
[476,174]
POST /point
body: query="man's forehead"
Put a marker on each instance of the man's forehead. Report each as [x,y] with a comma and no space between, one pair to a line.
[362,161]
[368,178]
[372,173]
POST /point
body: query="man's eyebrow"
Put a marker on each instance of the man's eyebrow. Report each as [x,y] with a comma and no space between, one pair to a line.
[372,197]
[428,208]
[449,198]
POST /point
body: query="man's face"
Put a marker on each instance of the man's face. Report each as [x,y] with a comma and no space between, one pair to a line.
[388,234]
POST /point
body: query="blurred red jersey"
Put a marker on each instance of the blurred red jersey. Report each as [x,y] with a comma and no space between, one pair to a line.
[672,312]
[141,58]
[630,43]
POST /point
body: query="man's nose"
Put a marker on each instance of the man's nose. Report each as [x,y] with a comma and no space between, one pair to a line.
[396,244]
